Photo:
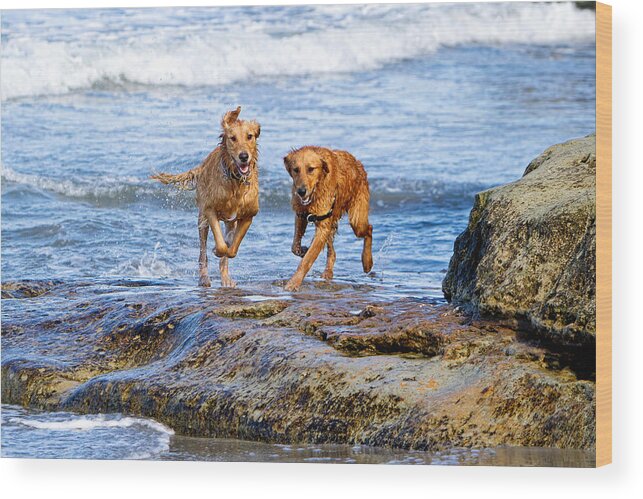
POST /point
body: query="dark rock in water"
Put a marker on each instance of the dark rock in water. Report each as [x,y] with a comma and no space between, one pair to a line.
[327,365]
[26,289]
[529,251]
[585,5]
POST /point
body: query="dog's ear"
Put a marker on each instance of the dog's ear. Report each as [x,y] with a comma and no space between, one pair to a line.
[256,129]
[287,165]
[230,117]
[325,161]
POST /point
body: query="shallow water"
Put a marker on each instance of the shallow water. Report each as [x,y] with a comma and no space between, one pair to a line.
[438,101]
[29,434]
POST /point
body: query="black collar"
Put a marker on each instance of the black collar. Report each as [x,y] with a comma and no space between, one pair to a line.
[310,218]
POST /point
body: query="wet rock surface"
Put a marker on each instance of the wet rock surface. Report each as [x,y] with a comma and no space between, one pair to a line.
[528,254]
[331,364]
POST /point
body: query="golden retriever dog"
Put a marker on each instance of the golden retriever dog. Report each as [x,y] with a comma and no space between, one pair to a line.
[325,185]
[227,190]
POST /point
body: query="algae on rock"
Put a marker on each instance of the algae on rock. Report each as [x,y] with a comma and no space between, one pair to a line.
[528,254]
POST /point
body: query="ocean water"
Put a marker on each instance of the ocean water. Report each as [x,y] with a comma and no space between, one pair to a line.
[439,101]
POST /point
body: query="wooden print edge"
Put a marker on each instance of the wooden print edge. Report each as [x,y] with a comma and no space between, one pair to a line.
[603,234]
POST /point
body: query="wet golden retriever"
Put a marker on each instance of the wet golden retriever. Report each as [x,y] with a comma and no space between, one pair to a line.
[325,185]
[227,190]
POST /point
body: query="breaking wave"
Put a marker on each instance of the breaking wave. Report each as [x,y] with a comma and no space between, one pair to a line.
[117,191]
[94,436]
[204,47]
[93,422]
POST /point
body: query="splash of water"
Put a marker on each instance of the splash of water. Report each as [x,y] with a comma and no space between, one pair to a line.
[382,258]
[148,265]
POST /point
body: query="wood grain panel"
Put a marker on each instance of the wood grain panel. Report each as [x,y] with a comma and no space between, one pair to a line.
[603,234]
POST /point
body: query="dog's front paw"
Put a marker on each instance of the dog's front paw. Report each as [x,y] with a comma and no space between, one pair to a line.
[226,282]
[292,286]
[300,251]
[220,251]
[327,275]
[204,281]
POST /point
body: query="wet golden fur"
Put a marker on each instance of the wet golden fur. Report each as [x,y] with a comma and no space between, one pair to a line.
[327,176]
[222,198]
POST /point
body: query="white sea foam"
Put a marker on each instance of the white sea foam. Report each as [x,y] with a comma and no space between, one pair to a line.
[92,422]
[156,442]
[107,187]
[239,47]
[121,190]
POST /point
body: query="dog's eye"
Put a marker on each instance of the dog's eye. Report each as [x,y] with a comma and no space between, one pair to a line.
[296,169]
[249,136]
[233,138]
[310,169]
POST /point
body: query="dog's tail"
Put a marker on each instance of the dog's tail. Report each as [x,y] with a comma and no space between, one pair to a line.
[186,180]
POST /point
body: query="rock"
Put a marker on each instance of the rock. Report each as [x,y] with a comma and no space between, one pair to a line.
[26,289]
[528,254]
[585,5]
[328,365]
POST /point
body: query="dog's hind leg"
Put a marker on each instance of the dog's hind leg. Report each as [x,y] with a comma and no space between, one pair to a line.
[367,251]
[204,279]
[358,219]
[330,257]
[226,281]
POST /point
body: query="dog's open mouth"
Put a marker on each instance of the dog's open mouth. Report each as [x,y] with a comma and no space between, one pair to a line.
[305,201]
[243,168]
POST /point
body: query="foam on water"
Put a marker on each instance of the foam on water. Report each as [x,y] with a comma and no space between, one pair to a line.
[151,49]
[113,190]
[106,187]
[88,423]
[148,265]
[93,436]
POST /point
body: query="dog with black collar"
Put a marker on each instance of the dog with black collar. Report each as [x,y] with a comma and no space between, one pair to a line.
[326,184]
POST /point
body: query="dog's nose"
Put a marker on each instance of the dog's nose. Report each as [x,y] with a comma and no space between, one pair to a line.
[301,191]
[243,156]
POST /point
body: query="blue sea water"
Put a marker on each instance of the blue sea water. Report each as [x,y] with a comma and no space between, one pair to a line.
[436,102]
[439,101]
